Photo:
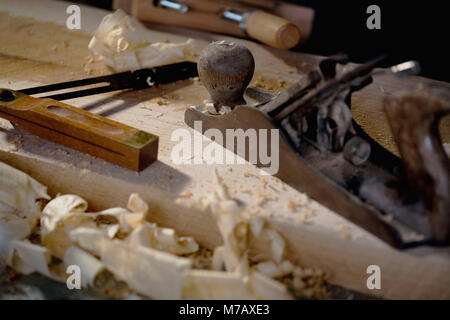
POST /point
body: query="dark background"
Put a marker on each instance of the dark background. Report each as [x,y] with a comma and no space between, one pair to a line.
[416,30]
[409,30]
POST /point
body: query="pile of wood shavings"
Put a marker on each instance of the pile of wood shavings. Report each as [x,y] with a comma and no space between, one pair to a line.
[121,253]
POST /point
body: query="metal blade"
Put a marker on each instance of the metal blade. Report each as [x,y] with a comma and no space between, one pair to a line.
[138,79]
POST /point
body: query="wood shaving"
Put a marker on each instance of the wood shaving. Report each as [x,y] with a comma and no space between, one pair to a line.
[344,230]
[292,205]
[90,266]
[59,209]
[280,184]
[247,173]
[13,227]
[121,252]
[27,258]
[238,228]
[20,191]
[161,102]
[305,215]
[245,190]
[264,183]
[186,194]
[121,43]
[201,259]
[150,272]
[262,199]
[164,239]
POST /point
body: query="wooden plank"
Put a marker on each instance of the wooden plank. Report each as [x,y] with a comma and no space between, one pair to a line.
[411,274]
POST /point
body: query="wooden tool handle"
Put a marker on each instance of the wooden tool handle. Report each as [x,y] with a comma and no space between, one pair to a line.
[301,17]
[414,118]
[147,11]
[267,28]
[272,30]
[214,6]
[80,130]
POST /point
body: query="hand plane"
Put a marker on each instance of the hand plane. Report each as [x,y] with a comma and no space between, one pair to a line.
[326,154]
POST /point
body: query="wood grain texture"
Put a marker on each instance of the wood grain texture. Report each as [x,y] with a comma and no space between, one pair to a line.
[414,274]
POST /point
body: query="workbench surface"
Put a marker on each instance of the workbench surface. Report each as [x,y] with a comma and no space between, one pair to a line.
[38,49]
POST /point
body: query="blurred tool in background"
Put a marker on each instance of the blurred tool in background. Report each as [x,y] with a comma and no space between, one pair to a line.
[277,24]
[409,30]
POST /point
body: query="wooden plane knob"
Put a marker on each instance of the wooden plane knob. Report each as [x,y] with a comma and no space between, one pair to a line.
[272,30]
[226,68]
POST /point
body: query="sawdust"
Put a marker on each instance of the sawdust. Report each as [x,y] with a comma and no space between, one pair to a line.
[367,110]
[344,230]
[186,194]
[270,84]
[58,54]
[201,259]
[292,205]
[305,216]
[161,102]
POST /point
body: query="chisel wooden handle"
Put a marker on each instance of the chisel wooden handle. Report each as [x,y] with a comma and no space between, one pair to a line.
[80,130]
[268,28]
[207,15]
[272,30]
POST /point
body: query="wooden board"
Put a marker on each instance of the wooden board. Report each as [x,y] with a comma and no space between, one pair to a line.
[316,236]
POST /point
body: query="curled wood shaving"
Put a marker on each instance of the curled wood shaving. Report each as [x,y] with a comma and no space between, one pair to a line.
[60,208]
[27,258]
[266,288]
[137,204]
[20,191]
[13,227]
[154,273]
[118,249]
[201,259]
[165,239]
[267,279]
[128,221]
[237,229]
[90,267]
[121,42]
[277,244]
[271,269]
[205,284]
[87,238]
[218,262]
